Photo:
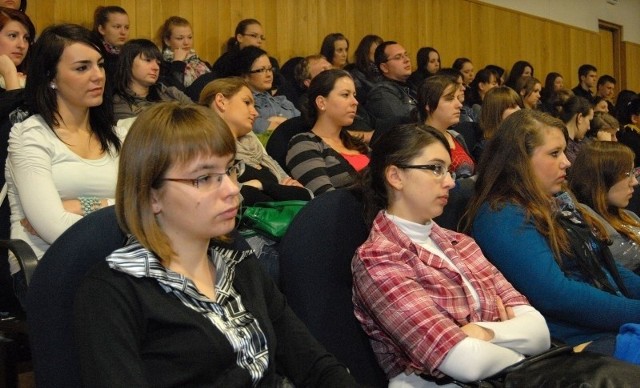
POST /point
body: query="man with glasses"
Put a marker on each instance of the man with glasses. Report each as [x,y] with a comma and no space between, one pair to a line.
[391,100]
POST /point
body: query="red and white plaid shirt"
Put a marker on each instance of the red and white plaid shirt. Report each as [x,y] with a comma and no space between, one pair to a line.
[412,303]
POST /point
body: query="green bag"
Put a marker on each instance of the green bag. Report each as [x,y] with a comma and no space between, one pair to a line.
[271,218]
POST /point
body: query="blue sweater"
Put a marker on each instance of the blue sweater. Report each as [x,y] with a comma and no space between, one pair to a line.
[575,311]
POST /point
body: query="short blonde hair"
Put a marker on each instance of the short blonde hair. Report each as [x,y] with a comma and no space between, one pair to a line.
[166,134]
[228,87]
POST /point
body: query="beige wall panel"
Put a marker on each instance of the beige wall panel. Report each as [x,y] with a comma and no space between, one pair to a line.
[606,53]
[632,59]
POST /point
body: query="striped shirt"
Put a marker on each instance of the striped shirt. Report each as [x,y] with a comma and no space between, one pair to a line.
[226,313]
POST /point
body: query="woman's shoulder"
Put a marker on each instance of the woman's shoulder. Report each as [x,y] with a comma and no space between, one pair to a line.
[305,137]
[34,125]
[492,218]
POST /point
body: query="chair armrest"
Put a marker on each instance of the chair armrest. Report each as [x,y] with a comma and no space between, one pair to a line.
[23,252]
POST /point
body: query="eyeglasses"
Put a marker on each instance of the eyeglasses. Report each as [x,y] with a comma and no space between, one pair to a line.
[262,70]
[256,36]
[634,173]
[398,57]
[212,180]
[438,170]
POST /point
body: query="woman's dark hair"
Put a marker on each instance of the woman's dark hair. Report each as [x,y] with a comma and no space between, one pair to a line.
[624,97]
[548,88]
[241,28]
[423,58]
[573,106]
[499,71]
[7,15]
[124,77]
[362,54]
[101,16]
[631,108]
[459,63]
[327,49]
[43,64]
[516,72]
[396,147]
[243,60]
[322,85]
[450,72]
[483,76]
[429,94]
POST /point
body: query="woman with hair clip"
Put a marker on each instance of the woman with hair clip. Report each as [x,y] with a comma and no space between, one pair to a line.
[576,113]
[428,60]
[111,26]
[531,228]
[364,71]
[519,69]
[603,179]
[328,157]
[63,159]
[176,36]
[439,107]
[138,80]
[498,104]
[429,300]
[335,47]
[185,303]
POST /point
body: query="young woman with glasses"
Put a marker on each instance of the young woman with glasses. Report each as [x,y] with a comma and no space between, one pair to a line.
[429,300]
[185,302]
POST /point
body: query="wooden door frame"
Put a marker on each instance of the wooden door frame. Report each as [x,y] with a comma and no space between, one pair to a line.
[619,60]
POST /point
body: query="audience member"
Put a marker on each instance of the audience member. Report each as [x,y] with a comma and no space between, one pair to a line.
[62,160]
[603,179]
[465,67]
[531,229]
[137,80]
[177,49]
[605,89]
[439,107]
[576,113]
[519,69]
[186,289]
[428,60]
[19,5]
[604,127]
[622,102]
[498,104]
[499,70]
[529,89]
[391,100]
[453,312]
[328,157]
[252,64]
[305,71]
[588,76]
[111,26]
[630,132]
[364,71]
[335,47]
[552,83]
[485,80]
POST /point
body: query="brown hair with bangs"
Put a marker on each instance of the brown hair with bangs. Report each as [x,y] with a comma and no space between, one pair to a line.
[165,135]
[598,166]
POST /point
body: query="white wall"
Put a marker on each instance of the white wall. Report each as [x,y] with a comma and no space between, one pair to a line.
[582,13]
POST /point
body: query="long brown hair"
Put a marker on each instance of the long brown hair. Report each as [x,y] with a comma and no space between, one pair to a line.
[505,176]
[599,166]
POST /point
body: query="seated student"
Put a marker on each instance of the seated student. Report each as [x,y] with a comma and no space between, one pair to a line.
[428,60]
[392,99]
[185,302]
[335,47]
[605,89]
[588,76]
[576,113]
[630,132]
[604,127]
[328,157]
[263,179]
[552,83]
[498,104]
[252,64]
[364,71]
[603,179]
[111,26]
[485,80]
[137,80]
[546,246]
[465,67]
[429,300]
[519,69]
[176,36]
[63,159]
[529,89]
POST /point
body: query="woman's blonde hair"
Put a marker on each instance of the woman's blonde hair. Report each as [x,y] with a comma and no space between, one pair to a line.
[164,135]
[228,87]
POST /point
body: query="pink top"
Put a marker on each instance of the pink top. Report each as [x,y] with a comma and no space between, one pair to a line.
[358,162]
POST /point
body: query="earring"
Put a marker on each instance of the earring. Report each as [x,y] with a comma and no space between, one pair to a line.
[52,85]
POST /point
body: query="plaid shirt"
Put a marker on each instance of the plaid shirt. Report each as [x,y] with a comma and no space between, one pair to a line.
[412,303]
